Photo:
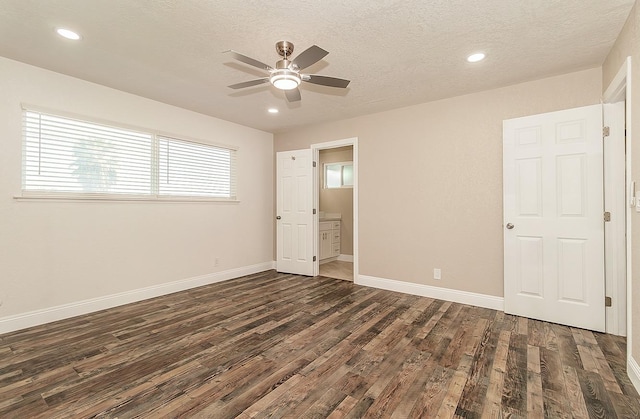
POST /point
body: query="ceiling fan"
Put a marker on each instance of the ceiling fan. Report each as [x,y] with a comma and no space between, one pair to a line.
[286,75]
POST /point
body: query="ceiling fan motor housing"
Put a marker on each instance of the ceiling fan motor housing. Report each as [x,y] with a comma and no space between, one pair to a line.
[284,48]
[283,64]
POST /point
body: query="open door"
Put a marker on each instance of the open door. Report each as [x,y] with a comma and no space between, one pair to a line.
[294,212]
[553,217]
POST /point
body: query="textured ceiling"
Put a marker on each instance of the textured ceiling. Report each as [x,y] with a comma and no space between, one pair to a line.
[396,52]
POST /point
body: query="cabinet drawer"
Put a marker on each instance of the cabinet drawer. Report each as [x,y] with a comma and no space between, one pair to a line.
[336,236]
[326,225]
[336,249]
[336,225]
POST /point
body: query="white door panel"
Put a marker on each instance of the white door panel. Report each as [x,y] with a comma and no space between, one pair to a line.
[554,254]
[294,212]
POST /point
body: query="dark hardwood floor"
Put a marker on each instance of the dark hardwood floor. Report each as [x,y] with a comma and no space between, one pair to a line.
[276,345]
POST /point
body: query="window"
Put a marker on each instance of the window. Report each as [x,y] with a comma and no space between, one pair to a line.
[188,168]
[65,155]
[338,175]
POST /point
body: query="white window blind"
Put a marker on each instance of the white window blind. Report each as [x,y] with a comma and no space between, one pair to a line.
[67,155]
[188,168]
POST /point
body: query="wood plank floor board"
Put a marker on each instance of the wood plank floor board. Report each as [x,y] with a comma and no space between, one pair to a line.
[237,401]
[625,406]
[392,395]
[433,393]
[343,409]
[281,345]
[514,393]
[567,347]
[492,406]
[575,398]
[535,403]
[599,404]
[325,405]
[474,392]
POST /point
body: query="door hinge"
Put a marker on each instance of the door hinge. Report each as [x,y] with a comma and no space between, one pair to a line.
[605,131]
[314,164]
[314,258]
[314,211]
[607,216]
[607,301]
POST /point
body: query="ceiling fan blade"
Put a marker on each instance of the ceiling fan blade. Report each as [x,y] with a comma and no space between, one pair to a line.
[309,56]
[293,95]
[249,60]
[249,83]
[326,81]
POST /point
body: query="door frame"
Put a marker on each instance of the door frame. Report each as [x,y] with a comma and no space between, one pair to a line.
[620,90]
[315,154]
[614,156]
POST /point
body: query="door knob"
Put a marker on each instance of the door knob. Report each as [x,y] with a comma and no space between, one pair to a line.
[510,226]
[278,217]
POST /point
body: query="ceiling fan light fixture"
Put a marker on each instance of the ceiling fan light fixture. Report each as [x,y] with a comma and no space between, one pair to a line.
[285,79]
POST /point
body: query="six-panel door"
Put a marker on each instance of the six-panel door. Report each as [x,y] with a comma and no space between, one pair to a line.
[294,207]
[553,188]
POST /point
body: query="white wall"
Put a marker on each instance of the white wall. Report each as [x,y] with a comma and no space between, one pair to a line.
[430,180]
[55,253]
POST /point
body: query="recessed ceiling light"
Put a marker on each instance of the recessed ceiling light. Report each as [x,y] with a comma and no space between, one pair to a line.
[474,58]
[67,33]
[272,110]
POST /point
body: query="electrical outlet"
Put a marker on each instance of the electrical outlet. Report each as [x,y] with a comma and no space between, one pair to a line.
[437,273]
[216,262]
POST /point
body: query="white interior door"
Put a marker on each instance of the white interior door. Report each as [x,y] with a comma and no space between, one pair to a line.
[553,217]
[294,212]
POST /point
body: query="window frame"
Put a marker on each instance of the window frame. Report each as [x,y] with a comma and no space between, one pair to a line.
[342,166]
[153,195]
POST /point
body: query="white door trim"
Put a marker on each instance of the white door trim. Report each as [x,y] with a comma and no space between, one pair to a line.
[315,152]
[620,89]
[615,230]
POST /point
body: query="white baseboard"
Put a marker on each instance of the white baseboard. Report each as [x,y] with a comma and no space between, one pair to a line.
[633,371]
[464,297]
[65,311]
[345,258]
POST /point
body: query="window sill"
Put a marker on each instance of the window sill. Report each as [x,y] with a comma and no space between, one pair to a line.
[70,197]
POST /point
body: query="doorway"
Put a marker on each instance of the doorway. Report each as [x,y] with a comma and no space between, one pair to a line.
[619,200]
[335,212]
[335,193]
